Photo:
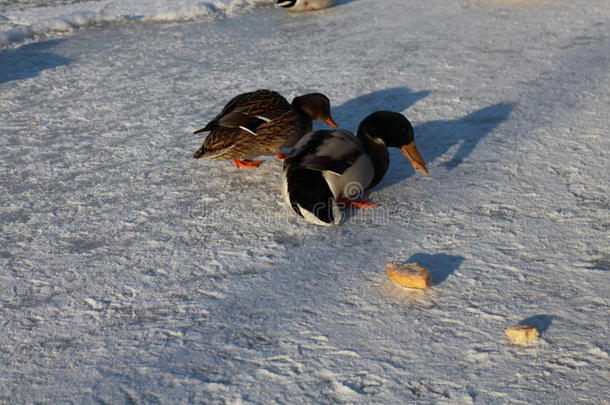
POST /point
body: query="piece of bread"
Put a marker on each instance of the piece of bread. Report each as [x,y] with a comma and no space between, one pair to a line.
[410,275]
[522,334]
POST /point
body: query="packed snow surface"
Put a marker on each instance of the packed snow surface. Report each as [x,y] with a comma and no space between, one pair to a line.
[35,19]
[132,273]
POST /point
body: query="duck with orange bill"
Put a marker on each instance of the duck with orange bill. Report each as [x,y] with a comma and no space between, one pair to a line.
[261,122]
[329,168]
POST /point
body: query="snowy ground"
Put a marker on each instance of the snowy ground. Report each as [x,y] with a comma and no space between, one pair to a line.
[132,273]
[23,20]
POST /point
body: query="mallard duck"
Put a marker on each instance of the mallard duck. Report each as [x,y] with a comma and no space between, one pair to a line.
[329,168]
[260,122]
[305,5]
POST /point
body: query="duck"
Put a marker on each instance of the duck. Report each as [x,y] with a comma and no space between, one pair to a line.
[261,122]
[304,5]
[332,168]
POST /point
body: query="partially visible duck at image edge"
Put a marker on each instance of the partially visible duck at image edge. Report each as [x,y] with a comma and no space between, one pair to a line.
[305,5]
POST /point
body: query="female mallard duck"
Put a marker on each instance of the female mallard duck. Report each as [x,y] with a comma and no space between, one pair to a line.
[305,5]
[333,166]
[260,122]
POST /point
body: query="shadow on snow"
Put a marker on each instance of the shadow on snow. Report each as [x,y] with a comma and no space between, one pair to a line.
[350,113]
[435,138]
[28,61]
[441,265]
[541,322]
[343,2]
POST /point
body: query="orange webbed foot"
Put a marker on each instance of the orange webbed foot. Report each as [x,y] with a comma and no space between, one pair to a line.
[364,203]
[281,155]
[250,164]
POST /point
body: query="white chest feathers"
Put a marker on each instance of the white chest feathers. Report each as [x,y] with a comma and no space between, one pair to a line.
[305,5]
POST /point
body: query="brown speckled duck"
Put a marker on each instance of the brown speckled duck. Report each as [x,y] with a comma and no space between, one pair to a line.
[261,122]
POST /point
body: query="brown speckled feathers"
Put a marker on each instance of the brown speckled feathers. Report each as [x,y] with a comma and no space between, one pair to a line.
[261,122]
[260,102]
[250,125]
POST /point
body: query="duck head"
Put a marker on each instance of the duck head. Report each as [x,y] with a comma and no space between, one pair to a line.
[394,130]
[316,106]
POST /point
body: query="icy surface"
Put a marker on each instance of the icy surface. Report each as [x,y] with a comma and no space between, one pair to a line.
[132,273]
[33,19]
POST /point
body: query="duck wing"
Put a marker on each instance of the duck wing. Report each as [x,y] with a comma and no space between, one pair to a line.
[249,111]
[317,173]
[345,165]
[268,103]
[329,150]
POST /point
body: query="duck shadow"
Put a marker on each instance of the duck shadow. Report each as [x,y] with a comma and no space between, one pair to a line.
[435,138]
[541,322]
[350,113]
[441,265]
[28,61]
[343,2]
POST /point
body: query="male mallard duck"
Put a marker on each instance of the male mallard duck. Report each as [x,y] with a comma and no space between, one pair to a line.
[331,166]
[305,5]
[260,122]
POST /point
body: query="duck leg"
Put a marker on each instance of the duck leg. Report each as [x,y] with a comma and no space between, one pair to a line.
[364,203]
[281,155]
[250,164]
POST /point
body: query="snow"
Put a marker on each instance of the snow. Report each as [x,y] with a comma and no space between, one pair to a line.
[25,20]
[131,272]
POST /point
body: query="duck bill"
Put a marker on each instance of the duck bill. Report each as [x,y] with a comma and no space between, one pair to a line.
[412,154]
[329,121]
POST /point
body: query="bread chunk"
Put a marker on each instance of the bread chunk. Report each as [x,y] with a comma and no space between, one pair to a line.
[522,334]
[410,275]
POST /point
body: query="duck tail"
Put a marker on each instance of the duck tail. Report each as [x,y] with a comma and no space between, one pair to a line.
[210,126]
[308,195]
[200,153]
